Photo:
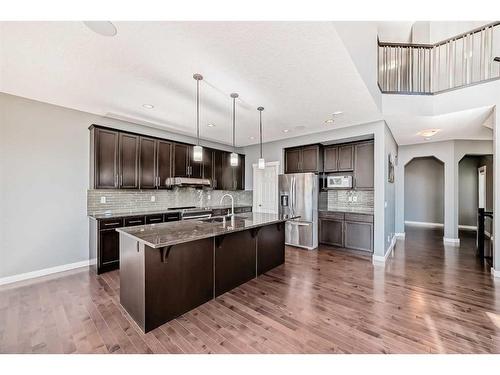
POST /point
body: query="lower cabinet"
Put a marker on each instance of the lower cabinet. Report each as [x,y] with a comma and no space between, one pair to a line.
[349,230]
[109,250]
[270,247]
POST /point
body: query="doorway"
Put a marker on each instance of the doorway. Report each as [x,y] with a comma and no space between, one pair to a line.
[265,188]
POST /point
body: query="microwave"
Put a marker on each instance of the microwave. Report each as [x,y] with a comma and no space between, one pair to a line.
[339,182]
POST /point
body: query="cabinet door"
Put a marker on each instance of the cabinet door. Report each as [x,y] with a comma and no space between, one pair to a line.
[310,159]
[363,166]
[358,236]
[163,163]
[331,159]
[218,162]
[292,160]
[147,163]
[129,161]
[181,160]
[331,232]
[346,158]
[195,167]
[208,163]
[239,173]
[109,250]
[227,173]
[271,247]
[106,159]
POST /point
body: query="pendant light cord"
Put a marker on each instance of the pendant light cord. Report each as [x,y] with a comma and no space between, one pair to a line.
[234,120]
[260,112]
[198,111]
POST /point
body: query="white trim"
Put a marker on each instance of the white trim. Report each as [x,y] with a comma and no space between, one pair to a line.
[468,227]
[43,272]
[381,259]
[424,224]
[451,241]
[268,164]
[495,273]
[400,235]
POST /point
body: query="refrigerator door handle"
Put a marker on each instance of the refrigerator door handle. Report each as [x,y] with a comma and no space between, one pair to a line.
[299,223]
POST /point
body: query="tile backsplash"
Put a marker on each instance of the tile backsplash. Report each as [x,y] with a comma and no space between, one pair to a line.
[332,199]
[130,201]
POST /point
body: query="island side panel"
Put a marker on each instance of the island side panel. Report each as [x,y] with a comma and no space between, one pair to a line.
[270,247]
[132,278]
[235,259]
[178,279]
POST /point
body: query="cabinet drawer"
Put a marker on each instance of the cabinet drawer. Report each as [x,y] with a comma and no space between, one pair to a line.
[153,219]
[135,220]
[331,215]
[241,210]
[363,218]
[173,216]
[110,223]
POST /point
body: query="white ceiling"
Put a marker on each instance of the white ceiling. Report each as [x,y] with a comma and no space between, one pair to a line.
[472,124]
[300,72]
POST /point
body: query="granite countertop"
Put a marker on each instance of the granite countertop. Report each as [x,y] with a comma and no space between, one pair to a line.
[172,233]
[114,215]
[353,210]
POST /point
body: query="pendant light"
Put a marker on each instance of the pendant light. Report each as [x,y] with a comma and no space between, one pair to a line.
[197,150]
[233,159]
[262,162]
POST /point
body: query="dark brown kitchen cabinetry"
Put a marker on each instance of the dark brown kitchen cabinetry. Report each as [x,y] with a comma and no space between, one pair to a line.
[331,231]
[303,159]
[154,163]
[338,158]
[348,230]
[124,160]
[358,235]
[104,156]
[363,165]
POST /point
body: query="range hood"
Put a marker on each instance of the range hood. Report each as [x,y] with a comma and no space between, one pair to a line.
[187,182]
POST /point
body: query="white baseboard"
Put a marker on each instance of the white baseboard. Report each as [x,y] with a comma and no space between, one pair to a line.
[424,224]
[381,259]
[495,273]
[451,241]
[44,272]
[400,235]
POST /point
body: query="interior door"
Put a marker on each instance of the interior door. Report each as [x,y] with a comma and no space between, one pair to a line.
[147,163]
[129,161]
[265,189]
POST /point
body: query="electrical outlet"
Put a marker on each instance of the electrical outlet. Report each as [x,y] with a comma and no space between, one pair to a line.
[349,198]
[103,199]
[355,198]
[153,198]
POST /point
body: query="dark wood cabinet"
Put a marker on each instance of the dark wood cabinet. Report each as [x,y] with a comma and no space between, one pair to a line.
[338,158]
[358,235]
[147,163]
[109,245]
[363,165]
[270,247]
[180,160]
[163,162]
[128,161]
[124,160]
[331,231]
[304,159]
[331,157]
[104,154]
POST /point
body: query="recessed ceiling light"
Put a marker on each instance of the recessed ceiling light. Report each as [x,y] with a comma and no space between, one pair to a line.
[148,106]
[286,130]
[210,125]
[428,132]
[426,138]
[337,113]
[104,28]
[329,121]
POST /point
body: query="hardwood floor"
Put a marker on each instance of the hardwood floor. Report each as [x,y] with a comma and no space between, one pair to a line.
[428,299]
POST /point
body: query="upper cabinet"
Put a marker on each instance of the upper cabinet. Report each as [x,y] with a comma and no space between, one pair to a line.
[303,159]
[363,165]
[338,158]
[123,160]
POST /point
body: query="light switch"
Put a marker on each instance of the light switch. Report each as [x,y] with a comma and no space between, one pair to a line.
[103,199]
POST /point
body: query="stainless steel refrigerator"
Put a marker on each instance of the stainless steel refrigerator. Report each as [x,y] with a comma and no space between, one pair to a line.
[299,197]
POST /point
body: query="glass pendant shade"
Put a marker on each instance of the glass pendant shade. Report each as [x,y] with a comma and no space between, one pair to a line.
[198,153]
[233,159]
[262,163]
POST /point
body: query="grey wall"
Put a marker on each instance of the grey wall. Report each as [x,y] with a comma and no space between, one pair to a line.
[44,176]
[424,190]
[467,190]
[391,147]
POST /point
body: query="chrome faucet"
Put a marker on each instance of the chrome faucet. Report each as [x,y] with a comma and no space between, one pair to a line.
[232,202]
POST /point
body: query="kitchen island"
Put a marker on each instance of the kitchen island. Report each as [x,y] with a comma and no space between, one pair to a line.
[168,269]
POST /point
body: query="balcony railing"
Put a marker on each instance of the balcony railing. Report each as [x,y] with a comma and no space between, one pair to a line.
[460,61]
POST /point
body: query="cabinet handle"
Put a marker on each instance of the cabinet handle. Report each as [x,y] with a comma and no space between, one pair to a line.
[134,221]
[108,224]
